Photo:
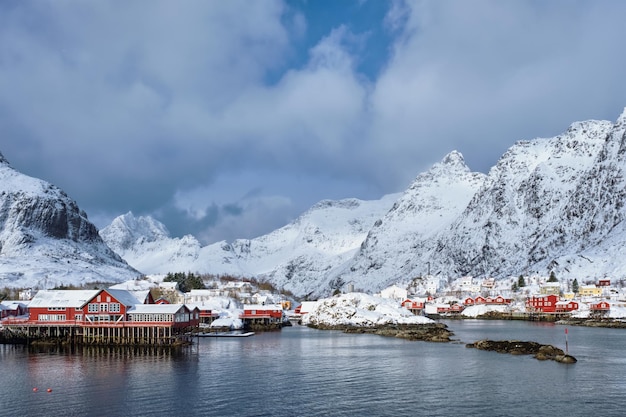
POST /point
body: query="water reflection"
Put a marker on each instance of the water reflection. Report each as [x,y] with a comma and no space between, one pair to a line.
[301,371]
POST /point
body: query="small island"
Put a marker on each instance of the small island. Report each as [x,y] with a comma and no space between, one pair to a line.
[516,347]
[363,313]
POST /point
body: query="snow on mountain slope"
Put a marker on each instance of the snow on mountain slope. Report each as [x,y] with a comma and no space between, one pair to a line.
[302,256]
[516,221]
[46,240]
[308,248]
[146,244]
[548,205]
[434,199]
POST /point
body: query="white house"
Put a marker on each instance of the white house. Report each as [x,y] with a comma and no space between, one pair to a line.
[394,293]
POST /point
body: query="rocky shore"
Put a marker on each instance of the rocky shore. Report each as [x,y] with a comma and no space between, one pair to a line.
[516,347]
[611,323]
[430,332]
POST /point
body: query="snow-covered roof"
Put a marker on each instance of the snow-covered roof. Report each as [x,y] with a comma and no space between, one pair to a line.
[169,285]
[307,306]
[124,297]
[155,308]
[12,304]
[62,298]
[203,291]
[262,307]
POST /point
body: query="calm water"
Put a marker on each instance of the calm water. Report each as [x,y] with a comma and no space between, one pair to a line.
[304,372]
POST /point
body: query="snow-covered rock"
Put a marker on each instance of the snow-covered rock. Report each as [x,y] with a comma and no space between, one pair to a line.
[360,310]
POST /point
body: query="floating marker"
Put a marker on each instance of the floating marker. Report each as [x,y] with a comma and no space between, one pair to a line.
[49,390]
[35,389]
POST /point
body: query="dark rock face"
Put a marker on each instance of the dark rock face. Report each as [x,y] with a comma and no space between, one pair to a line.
[516,347]
[432,332]
[46,239]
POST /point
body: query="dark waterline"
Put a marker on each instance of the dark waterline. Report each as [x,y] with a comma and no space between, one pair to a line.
[306,372]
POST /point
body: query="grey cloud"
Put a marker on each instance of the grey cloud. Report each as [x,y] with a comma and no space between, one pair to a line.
[163,107]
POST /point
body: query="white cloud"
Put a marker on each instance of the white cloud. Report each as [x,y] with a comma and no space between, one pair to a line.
[141,104]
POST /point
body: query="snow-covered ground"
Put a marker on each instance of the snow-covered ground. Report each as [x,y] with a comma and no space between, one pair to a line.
[359,309]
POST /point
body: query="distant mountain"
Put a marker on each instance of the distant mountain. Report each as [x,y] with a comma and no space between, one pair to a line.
[548,205]
[46,240]
[300,256]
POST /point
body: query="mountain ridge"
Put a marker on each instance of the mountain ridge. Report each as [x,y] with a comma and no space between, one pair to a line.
[547,205]
[46,240]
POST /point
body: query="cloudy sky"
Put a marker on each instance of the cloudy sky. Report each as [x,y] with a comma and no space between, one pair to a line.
[228,119]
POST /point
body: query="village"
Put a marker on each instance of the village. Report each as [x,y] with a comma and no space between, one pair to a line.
[154,312]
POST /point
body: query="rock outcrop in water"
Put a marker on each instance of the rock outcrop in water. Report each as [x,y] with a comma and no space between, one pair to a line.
[435,332]
[516,347]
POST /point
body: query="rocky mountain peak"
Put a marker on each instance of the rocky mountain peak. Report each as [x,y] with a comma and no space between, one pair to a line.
[46,238]
[3,160]
[454,158]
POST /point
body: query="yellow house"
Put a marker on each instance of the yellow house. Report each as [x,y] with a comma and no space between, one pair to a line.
[590,291]
[550,288]
[569,296]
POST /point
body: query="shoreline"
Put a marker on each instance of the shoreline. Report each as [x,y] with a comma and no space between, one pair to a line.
[427,332]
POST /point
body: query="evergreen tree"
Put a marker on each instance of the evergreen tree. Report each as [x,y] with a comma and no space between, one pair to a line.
[552,277]
[575,286]
[521,282]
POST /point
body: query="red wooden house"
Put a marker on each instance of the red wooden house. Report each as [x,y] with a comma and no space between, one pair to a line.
[414,306]
[443,308]
[542,303]
[60,306]
[205,312]
[168,315]
[108,316]
[566,306]
[457,308]
[108,306]
[499,300]
[469,301]
[12,309]
[601,308]
[262,314]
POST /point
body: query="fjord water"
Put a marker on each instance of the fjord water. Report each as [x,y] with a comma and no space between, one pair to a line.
[305,372]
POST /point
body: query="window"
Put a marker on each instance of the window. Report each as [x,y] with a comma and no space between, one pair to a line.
[92,308]
[114,307]
[78,317]
[104,307]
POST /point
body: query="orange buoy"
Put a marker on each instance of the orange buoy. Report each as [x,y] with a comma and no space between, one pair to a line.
[35,389]
[49,390]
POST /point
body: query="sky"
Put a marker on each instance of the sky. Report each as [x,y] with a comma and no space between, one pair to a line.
[228,120]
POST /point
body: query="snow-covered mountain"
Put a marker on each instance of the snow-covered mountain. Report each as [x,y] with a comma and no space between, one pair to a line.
[394,248]
[46,240]
[548,205]
[298,257]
